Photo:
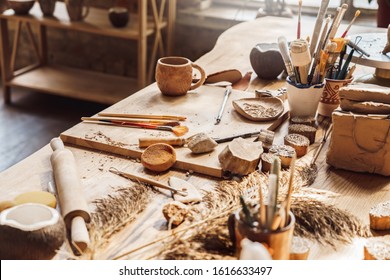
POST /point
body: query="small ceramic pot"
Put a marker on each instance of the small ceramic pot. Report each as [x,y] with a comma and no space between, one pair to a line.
[266,61]
[47,7]
[118,16]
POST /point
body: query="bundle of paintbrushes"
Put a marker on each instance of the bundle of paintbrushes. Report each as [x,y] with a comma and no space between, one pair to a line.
[310,62]
[166,123]
[270,215]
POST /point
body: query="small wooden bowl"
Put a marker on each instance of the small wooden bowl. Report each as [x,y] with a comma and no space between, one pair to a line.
[158,157]
[21,7]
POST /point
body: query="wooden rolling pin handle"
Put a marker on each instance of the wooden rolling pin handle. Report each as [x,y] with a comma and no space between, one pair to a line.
[79,234]
[146,142]
[56,144]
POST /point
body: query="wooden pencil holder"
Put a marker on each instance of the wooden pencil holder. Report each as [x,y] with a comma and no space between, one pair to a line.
[330,99]
[277,242]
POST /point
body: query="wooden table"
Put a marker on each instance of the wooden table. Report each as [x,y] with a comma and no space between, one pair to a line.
[357,192]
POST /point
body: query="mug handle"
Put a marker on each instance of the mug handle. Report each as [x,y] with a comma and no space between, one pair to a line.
[202,76]
[86,12]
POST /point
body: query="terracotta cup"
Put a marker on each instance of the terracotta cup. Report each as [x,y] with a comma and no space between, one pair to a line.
[330,99]
[76,10]
[278,241]
[174,75]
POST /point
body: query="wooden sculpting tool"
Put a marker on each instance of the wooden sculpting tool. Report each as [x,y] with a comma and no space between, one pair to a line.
[283,47]
[299,19]
[74,207]
[318,25]
[141,179]
[225,98]
[337,21]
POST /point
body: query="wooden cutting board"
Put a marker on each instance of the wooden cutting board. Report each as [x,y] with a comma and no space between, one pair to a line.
[200,107]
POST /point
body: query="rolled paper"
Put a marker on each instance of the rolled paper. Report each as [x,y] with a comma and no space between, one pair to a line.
[301,58]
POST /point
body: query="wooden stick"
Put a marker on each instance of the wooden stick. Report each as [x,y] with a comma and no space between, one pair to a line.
[126,120]
[139,116]
[15,45]
[147,181]
[318,25]
[337,21]
[299,20]
[262,211]
[289,193]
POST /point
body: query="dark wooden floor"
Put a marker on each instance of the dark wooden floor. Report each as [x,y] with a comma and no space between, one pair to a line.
[33,119]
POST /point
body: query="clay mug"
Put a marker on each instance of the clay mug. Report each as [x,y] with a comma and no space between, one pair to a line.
[75,9]
[174,75]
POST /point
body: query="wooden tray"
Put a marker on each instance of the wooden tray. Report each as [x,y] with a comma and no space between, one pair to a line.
[259,109]
[200,107]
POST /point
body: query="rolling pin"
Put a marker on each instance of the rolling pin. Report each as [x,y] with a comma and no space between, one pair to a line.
[74,207]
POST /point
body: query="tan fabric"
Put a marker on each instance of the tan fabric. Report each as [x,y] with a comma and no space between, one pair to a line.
[360,143]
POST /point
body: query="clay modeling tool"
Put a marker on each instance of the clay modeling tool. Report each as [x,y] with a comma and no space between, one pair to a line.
[225,98]
[357,13]
[318,50]
[344,70]
[317,27]
[300,57]
[283,47]
[323,141]
[138,116]
[74,207]
[141,179]
[357,48]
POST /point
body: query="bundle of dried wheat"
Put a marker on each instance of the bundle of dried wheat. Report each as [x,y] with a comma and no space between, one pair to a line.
[113,213]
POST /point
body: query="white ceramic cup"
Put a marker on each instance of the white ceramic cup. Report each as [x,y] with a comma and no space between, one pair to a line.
[303,99]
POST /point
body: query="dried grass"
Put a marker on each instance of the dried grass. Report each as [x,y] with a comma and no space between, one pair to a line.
[315,219]
[113,213]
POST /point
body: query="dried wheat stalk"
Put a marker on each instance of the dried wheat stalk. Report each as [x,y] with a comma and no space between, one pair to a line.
[113,213]
[315,219]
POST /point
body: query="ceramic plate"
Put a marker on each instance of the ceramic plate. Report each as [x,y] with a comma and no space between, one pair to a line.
[259,109]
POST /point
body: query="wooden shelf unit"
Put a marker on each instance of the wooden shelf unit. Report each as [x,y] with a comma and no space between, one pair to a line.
[82,84]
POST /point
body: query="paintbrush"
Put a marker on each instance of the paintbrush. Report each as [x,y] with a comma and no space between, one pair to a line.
[343,72]
[337,21]
[262,209]
[287,201]
[273,190]
[283,47]
[125,121]
[139,116]
[318,50]
[177,130]
[324,138]
[350,24]
[299,19]
[317,27]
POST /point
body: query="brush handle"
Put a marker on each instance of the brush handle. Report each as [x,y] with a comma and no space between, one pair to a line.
[318,25]
[147,141]
[138,116]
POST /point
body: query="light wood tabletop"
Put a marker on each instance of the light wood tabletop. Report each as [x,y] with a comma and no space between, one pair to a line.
[356,192]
